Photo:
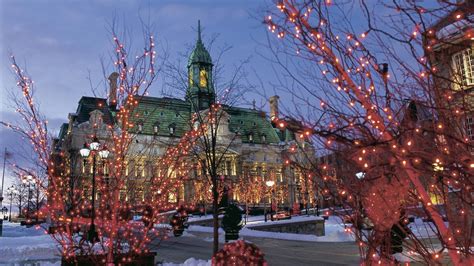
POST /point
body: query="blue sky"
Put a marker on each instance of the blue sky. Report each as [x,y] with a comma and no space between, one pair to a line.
[61,42]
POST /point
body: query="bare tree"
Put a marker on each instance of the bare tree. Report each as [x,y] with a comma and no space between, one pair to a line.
[210,120]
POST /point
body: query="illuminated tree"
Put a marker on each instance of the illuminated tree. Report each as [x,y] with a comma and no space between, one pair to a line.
[69,197]
[350,78]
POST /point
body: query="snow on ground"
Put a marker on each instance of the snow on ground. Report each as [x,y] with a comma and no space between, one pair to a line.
[193,218]
[20,244]
[334,230]
[424,229]
[190,262]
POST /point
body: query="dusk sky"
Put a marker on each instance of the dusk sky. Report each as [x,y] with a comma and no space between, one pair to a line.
[61,42]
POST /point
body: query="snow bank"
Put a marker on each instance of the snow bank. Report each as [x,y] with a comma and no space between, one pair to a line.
[26,244]
[15,230]
[334,230]
[190,262]
[256,220]
[333,234]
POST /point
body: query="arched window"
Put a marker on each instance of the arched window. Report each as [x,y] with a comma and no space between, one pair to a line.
[191,78]
[202,78]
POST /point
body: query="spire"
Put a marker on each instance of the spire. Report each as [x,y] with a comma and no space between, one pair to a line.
[199,54]
[199,30]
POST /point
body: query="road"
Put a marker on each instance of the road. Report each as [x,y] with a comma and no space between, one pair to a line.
[277,252]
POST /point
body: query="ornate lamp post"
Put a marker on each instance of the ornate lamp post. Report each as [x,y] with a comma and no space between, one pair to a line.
[269,184]
[93,149]
[28,180]
[11,191]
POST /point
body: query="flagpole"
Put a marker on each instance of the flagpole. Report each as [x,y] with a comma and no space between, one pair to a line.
[3,175]
[1,191]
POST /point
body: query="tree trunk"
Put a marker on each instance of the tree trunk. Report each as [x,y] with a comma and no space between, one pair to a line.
[215,216]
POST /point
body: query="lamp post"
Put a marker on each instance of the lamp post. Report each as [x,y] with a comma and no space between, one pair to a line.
[4,213]
[11,191]
[269,184]
[28,180]
[93,149]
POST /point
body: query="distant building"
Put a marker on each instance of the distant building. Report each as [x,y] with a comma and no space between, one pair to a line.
[256,151]
[449,46]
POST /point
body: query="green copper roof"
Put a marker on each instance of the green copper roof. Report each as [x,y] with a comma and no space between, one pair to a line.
[165,112]
[199,54]
[171,112]
[162,113]
[251,122]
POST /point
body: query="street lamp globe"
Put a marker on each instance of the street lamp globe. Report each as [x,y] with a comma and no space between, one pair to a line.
[104,153]
[84,151]
[29,179]
[270,183]
[95,144]
[11,190]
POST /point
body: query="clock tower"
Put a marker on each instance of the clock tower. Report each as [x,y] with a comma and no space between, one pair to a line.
[200,91]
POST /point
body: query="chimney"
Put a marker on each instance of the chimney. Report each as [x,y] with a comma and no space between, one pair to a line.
[274,107]
[113,89]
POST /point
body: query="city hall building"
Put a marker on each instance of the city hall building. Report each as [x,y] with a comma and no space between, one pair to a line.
[257,153]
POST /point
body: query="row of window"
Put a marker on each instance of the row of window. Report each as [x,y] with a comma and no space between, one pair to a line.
[172,130]
[463,66]
[470,128]
[156,128]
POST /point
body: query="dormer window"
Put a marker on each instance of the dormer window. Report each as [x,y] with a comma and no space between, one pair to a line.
[463,65]
[140,127]
[196,125]
[172,128]
[156,127]
[177,115]
[264,138]
[251,137]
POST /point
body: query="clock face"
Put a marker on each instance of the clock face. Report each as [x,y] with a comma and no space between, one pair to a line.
[202,78]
